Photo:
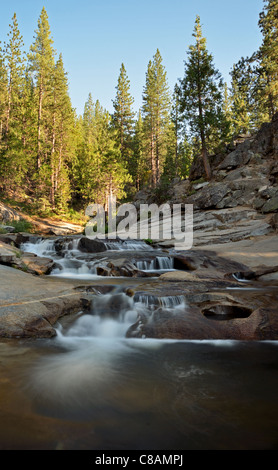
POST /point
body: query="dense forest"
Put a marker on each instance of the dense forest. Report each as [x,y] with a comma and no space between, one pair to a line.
[55,160]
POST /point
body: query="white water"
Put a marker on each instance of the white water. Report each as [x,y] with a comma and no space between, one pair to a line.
[71,263]
[68,264]
[160,263]
[153,301]
[128,245]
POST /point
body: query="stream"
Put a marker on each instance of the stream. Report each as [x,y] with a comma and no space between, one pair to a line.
[92,388]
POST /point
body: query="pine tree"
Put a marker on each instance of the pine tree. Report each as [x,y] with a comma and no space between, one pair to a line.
[241,97]
[123,117]
[227,130]
[13,163]
[3,95]
[99,170]
[201,95]
[62,145]
[15,69]
[255,78]
[179,150]
[156,109]
[268,54]
[140,167]
[29,134]
[41,64]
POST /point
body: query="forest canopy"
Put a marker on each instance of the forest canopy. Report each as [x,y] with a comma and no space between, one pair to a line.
[56,160]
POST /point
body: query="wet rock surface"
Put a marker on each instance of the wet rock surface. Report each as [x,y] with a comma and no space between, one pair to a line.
[211,303]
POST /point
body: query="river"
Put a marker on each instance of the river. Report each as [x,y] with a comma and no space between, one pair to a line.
[92,388]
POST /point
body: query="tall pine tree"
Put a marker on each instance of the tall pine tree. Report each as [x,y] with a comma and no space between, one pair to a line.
[123,117]
[156,115]
[3,94]
[41,64]
[13,166]
[268,54]
[62,145]
[201,95]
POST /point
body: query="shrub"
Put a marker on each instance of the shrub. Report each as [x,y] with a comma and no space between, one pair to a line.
[21,225]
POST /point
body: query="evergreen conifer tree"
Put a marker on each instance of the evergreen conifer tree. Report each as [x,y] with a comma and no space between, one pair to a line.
[156,115]
[62,147]
[201,96]
[41,64]
[13,166]
[268,54]
[123,117]
[99,168]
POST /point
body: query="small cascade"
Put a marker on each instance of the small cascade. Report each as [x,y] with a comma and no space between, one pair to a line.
[110,317]
[154,301]
[66,255]
[161,263]
[76,259]
[165,262]
[113,314]
[42,247]
[145,265]
[128,245]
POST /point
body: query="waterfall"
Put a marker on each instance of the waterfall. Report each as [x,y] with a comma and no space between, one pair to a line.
[154,301]
[128,245]
[111,315]
[67,257]
[73,261]
[160,263]
[42,247]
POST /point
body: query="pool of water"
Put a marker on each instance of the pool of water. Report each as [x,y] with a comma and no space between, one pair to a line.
[81,391]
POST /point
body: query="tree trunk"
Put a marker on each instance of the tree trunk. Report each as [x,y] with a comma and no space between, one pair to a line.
[52,192]
[39,124]
[153,161]
[157,161]
[202,127]
[206,162]
[9,107]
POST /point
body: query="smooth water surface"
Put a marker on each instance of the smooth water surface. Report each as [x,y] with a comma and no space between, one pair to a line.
[80,391]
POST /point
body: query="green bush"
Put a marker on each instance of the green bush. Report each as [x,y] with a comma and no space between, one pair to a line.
[21,225]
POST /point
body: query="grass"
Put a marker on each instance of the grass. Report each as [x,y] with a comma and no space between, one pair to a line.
[21,226]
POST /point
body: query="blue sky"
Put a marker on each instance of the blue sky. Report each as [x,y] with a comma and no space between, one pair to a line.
[96,36]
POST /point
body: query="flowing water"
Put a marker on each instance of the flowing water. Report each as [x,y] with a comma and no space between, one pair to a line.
[91,387]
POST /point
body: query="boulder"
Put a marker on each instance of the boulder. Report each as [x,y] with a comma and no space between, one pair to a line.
[27,262]
[271,205]
[238,158]
[179,190]
[91,245]
[209,196]
[34,264]
[7,228]
[17,239]
[265,142]
[8,214]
